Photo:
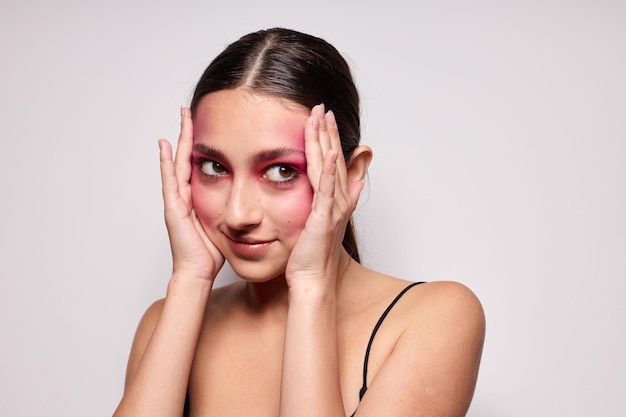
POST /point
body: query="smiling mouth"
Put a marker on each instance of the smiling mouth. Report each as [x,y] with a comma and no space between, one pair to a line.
[249,242]
[249,248]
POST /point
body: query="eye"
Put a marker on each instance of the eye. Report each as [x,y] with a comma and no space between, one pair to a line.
[280,173]
[212,168]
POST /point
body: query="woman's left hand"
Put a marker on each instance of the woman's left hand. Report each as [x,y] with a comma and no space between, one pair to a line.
[314,260]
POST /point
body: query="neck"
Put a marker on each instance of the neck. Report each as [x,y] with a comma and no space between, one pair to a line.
[273,294]
[264,295]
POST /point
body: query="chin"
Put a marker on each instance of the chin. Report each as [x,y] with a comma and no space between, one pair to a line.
[257,271]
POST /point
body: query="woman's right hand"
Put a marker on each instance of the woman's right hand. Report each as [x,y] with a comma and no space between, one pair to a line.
[194,255]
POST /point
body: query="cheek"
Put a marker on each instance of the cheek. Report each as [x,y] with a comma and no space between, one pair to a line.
[206,203]
[295,210]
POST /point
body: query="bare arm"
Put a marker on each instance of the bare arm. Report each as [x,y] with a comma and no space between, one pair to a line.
[163,350]
[310,384]
[310,379]
[433,368]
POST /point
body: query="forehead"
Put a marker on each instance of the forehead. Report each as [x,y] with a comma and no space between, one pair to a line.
[249,120]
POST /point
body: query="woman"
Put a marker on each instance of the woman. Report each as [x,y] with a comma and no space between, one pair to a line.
[266,177]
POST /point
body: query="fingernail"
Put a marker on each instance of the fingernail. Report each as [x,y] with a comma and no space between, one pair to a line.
[330,119]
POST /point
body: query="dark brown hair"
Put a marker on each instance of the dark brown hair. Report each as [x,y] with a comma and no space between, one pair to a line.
[299,67]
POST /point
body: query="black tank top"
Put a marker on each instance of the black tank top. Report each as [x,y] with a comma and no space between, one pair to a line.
[367,351]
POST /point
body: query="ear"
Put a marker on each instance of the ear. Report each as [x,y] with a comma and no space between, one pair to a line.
[359,162]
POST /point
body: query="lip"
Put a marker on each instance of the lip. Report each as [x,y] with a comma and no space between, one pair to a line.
[248,248]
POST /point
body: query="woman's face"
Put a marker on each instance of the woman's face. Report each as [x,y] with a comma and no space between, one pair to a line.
[249,184]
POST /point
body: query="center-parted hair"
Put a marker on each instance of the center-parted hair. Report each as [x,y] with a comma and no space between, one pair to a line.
[291,65]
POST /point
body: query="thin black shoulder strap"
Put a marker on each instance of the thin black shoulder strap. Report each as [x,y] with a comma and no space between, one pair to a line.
[369,345]
[186,409]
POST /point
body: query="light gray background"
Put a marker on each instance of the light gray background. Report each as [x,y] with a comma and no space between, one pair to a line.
[499,134]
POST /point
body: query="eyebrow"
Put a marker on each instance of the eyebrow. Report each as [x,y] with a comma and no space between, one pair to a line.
[271,154]
[209,151]
[262,156]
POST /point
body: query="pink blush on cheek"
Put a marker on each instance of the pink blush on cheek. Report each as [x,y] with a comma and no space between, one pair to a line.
[207,203]
[297,211]
[303,204]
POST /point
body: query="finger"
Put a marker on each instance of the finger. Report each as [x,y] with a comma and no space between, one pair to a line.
[312,148]
[325,196]
[354,189]
[183,150]
[324,138]
[169,182]
[335,144]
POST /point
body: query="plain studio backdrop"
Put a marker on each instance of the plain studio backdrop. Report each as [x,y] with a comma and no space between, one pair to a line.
[499,137]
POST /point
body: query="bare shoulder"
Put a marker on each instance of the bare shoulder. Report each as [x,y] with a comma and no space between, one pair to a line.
[446,313]
[142,337]
[448,300]
[153,313]
[428,302]
[433,367]
[149,319]
[220,298]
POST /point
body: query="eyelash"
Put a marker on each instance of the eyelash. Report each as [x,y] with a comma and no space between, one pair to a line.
[201,164]
[294,173]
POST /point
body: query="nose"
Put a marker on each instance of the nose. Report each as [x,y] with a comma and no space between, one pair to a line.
[243,210]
